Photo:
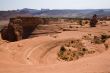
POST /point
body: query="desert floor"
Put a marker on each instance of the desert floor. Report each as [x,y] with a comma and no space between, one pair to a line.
[40,54]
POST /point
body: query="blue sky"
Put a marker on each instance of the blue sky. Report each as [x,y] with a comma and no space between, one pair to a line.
[54,4]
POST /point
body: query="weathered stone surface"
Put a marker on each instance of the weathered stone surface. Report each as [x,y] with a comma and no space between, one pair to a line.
[93,21]
[21,27]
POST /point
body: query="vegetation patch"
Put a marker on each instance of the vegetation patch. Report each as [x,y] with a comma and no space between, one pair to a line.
[74,44]
[67,53]
[100,39]
[97,39]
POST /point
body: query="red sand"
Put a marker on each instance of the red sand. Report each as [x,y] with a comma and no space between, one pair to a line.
[39,54]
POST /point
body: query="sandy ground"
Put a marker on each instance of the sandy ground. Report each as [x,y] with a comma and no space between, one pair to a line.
[39,54]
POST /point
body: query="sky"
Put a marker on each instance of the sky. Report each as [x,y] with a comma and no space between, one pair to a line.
[54,4]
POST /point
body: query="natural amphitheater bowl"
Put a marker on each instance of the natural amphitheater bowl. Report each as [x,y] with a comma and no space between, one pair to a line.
[84,50]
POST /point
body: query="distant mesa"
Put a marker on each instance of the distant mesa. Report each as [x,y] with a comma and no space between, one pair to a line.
[5,15]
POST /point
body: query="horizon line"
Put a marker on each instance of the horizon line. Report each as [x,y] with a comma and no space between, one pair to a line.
[55,9]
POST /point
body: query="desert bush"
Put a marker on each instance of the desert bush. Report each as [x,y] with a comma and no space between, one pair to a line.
[91,52]
[88,37]
[104,37]
[100,39]
[97,40]
[74,44]
[62,50]
[69,55]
